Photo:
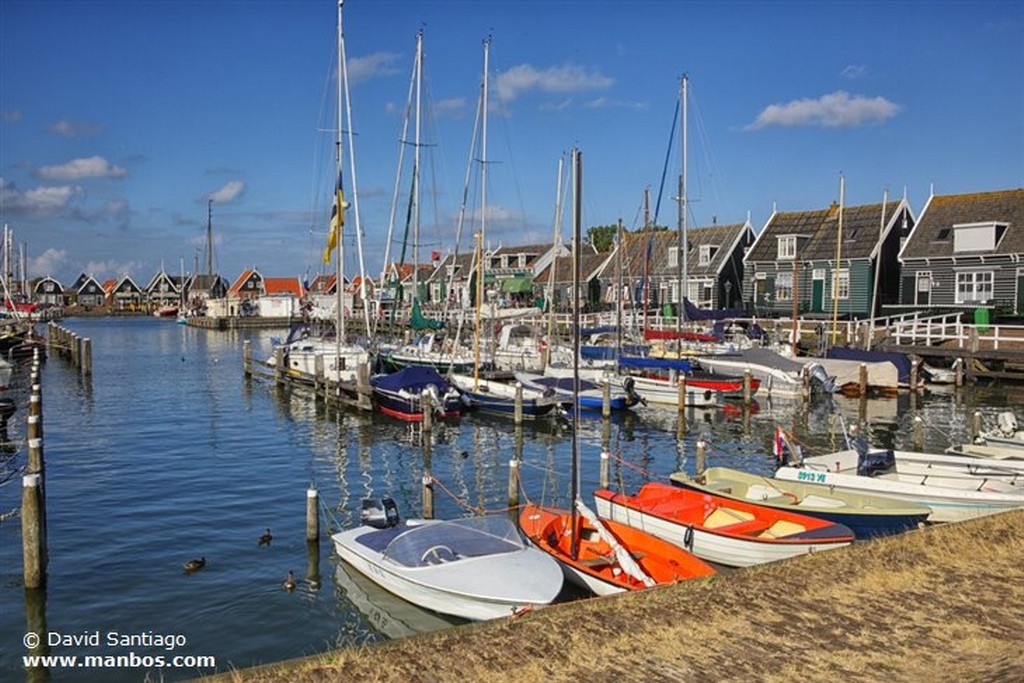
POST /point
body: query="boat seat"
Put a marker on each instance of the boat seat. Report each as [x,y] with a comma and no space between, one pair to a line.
[748,528]
[722,516]
[783,528]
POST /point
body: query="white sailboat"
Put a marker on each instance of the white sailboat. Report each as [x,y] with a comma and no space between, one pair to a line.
[341,359]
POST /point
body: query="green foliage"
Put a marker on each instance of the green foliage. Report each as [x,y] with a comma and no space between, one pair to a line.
[602,237]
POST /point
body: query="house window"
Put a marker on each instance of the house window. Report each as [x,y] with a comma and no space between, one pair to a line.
[522,260]
[842,283]
[974,286]
[707,252]
[784,287]
[787,247]
[673,257]
[977,236]
[705,293]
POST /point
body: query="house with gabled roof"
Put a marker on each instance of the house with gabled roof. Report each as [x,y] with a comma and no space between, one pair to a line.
[125,295]
[559,276]
[650,267]
[450,281]
[48,291]
[834,261]
[966,252]
[88,292]
[165,290]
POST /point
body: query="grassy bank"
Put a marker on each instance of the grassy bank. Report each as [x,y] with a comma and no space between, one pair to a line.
[942,604]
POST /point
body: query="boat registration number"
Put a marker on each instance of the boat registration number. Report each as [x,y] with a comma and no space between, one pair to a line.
[816,477]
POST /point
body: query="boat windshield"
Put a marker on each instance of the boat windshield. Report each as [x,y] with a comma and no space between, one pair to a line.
[453,540]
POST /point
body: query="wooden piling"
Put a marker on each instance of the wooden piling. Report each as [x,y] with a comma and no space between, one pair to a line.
[86,357]
[318,378]
[606,399]
[513,487]
[428,496]
[748,387]
[280,366]
[427,406]
[701,462]
[517,416]
[313,564]
[247,358]
[681,398]
[363,389]
[863,378]
[312,515]
[605,462]
[918,433]
[75,349]
[976,425]
[958,372]
[914,367]
[32,535]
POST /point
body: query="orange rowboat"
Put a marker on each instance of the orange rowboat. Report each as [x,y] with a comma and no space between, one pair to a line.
[641,561]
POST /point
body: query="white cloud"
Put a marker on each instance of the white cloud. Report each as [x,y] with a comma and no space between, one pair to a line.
[11,116]
[37,201]
[371,66]
[454,108]
[228,193]
[47,263]
[76,169]
[103,270]
[835,110]
[566,78]
[854,71]
[71,129]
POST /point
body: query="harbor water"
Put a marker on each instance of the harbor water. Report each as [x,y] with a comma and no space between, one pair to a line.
[168,453]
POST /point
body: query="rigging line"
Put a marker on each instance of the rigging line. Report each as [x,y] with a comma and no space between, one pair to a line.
[664,169]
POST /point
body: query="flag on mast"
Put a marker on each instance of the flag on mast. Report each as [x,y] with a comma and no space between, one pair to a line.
[337,221]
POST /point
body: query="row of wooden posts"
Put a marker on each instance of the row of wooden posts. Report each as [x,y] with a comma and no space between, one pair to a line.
[69,345]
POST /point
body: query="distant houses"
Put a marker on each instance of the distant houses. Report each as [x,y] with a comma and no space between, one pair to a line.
[964,252]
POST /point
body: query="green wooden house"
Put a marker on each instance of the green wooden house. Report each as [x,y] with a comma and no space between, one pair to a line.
[824,262]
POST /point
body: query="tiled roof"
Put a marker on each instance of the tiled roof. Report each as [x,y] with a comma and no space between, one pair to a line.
[943,212]
[283,285]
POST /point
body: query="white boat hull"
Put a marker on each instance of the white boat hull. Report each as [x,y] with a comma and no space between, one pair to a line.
[707,545]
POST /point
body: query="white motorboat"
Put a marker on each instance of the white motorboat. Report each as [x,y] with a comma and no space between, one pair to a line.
[952,498]
[474,568]
[779,376]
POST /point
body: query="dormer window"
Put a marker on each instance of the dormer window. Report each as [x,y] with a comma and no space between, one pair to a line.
[977,236]
[673,257]
[522,260]
[787,247]
[707,253]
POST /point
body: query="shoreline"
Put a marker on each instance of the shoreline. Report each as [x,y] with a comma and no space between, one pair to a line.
[941,603]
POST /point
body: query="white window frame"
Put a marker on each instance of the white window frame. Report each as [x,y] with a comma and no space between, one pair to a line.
[841,281]
[975,286]
[706,252]
[673,257]
[783,286]
[787,248]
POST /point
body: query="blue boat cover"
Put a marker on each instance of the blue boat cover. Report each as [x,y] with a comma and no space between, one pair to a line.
[655,363]
[694,313]
[413,378]
[900,360]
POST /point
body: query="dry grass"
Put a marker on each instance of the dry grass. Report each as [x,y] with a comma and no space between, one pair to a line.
[942,604]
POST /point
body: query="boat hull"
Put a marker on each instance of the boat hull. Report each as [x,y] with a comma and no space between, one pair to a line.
[684,518]
[866,515]
[478,588]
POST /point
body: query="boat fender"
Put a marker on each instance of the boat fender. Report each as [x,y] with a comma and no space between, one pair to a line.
[707,395]
[688,538]
[628,384]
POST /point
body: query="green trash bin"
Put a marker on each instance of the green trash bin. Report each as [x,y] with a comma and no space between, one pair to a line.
[981,320]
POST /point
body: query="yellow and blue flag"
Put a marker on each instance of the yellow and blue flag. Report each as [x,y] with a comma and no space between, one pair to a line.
[337,221]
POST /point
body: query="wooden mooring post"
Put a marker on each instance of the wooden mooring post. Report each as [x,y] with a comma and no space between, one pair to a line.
[247,359]
[976,425]
[86,356]
[33,538]
[702,455]
[748,387]
[513,488]
[681,399]
[918,433]
[605,466]
[312,514]
[428,496]
[517,407]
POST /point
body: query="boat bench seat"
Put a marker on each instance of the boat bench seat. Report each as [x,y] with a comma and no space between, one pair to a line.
[747,528]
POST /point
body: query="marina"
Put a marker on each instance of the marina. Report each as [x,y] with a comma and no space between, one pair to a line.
[165,452]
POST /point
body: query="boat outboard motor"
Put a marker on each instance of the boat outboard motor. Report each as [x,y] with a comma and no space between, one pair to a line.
[380,514]
[869,462]
[1006,424]
[820,379]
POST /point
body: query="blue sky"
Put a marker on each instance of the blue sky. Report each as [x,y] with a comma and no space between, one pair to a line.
[120,120]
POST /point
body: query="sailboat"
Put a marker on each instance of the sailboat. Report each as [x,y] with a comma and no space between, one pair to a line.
[604,557]
[483,394]
[341,359]
[431,348]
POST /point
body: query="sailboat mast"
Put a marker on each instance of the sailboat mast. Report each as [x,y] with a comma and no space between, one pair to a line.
[209,239]
[682,260]
[577,205]
[339,266]
[478,253]
[878,268]
[618,289]
[416,171]
[556,241]
[483,146]
[835,272]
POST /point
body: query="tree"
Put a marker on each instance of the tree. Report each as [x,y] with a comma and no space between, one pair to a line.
[602,237]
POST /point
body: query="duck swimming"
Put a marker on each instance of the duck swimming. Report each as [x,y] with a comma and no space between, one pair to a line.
[194,565]
[289,582]
[266,538]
